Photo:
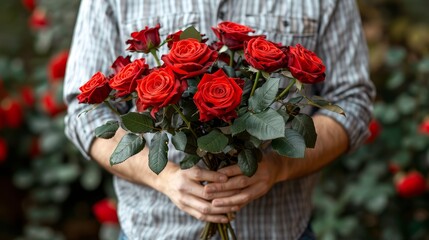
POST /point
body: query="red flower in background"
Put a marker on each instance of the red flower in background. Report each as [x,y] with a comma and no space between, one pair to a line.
[374,128]
[424,127]
[29,4]
[27,96]
[57,66]
[13,113]
[50,104]
[105,211]
[412,184]
[38,20]
[3,150]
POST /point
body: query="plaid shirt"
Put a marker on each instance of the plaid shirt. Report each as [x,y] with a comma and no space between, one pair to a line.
[331,28]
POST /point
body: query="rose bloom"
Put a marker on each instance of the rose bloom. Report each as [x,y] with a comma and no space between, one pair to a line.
[105,211]
[305,65]
[145,40]
[124,82]
[233,34]
[30,5]
[218,96]
[189,58]
[264,55]
[57,66]
[96,90]
[159,89]
[413,184]
[27,96]
[120,63]
[175,37]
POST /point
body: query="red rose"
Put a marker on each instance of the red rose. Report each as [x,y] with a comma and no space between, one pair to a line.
[233,34]
[51,105]
[3,150]
[159,89]
[13,113]
[124,82]
[264,55]
[189,58]
[175,37]
[96,90]
[29,4]
[57,66]
[120,63]
[217,96]
[145,40]
[424,127]
[105,211]
[374,129]
[413,184]
[305,65]
[38,20]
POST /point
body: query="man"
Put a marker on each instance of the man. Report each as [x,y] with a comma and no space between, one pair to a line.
[275,203]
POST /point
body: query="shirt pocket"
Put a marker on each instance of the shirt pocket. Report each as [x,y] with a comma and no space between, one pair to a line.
[287,30]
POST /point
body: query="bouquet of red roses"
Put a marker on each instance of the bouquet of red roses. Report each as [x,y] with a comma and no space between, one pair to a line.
[218,103]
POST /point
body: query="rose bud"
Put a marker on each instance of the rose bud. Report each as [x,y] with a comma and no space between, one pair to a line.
[412,184]
[144,41]
[96,90]
[424,127]
[264,55]
[57,66]
[233,35]
[374,128]
[305,65]
[105,211]
[120,63]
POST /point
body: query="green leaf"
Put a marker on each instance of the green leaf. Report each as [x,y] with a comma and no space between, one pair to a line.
[107,130]
[230,71]
[292,145]
[191,32]
[304,125]
[213,142]
[266,125]
[129,145]
[179,141]
[247,162]
[137,122]
[323,104]
[239,124]
[189,161]
[264,95]
[158,152]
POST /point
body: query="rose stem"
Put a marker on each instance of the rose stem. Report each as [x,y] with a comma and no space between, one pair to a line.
[231,60]
[153,52]
[188,124]
[286,89]
[255,83]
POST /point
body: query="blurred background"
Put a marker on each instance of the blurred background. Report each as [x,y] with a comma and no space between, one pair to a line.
[50,192]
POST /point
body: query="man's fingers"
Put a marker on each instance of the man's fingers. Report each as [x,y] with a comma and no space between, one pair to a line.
[234,183]
[241,199]
[231,171]
[203,175]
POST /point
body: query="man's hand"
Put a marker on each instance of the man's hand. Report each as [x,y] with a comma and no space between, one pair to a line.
[185,190]
[248,189]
